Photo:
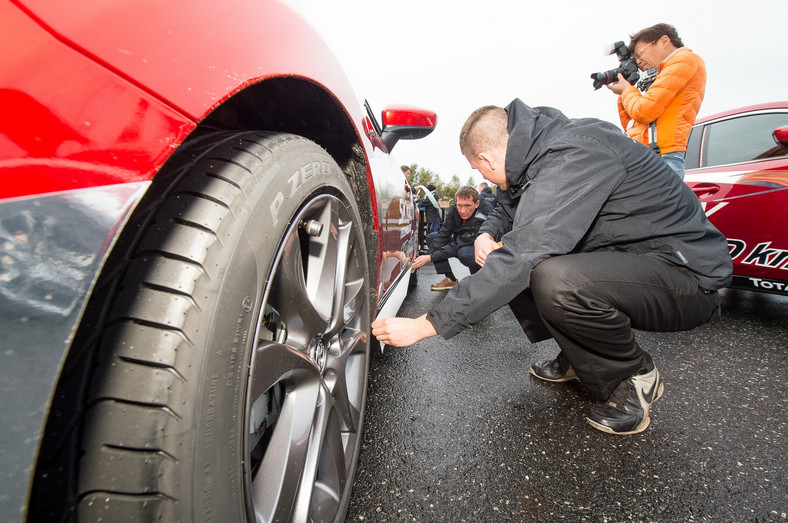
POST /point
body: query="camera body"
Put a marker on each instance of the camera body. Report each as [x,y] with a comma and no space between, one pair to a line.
[627,67]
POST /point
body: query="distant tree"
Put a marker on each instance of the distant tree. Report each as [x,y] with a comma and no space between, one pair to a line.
[422,176]
[449,190]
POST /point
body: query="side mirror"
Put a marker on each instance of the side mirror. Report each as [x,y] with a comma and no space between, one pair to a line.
[406,123]
[780,136]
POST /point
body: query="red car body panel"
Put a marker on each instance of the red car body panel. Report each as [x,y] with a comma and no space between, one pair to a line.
[52,140]
[746,202]
[95,98]
[194,54]
[156,52]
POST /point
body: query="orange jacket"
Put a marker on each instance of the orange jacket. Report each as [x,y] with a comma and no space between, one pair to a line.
[673,100]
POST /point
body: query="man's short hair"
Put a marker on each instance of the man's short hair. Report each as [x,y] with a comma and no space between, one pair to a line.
[405,168]
[466,191]
[654,33]
[484,130]
[483,185]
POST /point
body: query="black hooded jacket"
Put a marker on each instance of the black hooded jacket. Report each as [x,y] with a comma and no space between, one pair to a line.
[581,185]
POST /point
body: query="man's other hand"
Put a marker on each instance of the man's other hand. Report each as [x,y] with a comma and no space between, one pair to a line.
[482,246]
[421,261]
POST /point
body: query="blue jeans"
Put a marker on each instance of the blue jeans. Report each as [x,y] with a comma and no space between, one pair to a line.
[465,254]
[676,162]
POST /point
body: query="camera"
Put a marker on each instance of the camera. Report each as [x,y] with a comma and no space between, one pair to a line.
[628,67]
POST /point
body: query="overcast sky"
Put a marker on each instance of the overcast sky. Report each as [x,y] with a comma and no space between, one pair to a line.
[454,56]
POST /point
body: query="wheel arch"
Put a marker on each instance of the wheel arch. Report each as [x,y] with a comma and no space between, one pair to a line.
[303,107]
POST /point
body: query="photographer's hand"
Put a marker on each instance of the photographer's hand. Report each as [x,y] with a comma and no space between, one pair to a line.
[619,86]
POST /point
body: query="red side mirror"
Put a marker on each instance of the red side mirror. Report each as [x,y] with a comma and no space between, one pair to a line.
[780,136]
[406,123]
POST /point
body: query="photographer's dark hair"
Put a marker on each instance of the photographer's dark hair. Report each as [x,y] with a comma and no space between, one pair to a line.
[654,33]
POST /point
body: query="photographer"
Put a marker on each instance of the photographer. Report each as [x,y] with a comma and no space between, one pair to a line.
[672,101]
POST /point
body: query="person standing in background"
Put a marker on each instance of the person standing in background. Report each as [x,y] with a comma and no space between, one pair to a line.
[486,194]
[432,213]
[663,115]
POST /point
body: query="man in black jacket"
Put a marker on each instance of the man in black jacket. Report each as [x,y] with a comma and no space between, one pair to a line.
[455,237]
[486,194]
[598,237]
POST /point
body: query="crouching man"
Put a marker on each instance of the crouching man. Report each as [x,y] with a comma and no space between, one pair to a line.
[599,237]
[455,237]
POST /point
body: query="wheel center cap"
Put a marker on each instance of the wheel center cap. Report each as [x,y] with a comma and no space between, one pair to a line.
[318,353]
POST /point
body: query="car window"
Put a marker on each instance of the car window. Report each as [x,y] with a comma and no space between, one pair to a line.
[692,156]
[743,139]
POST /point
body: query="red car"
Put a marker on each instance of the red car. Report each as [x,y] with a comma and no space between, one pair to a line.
[737,164]
[198,223]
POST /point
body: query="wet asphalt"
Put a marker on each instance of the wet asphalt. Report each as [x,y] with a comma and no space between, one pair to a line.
[458,430]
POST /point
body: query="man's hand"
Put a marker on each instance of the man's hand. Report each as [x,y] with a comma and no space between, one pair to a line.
[619,86]
[482,246]
[421,261]
[401,332]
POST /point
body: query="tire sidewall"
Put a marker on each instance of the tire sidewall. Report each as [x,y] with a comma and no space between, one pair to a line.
[296,172]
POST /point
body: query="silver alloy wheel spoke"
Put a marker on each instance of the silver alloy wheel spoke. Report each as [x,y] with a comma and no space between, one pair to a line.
[285,455]
[324,470]
[291,298]
[348,373]
[337,321]
[323,259]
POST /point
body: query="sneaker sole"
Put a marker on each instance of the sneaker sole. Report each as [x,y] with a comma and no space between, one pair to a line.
[640,428]
[604,428]
[441,288]
[567,377]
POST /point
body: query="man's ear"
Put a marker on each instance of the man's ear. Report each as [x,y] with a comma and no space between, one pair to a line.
[488,159]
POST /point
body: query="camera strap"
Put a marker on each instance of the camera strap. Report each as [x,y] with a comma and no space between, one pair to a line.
[652,137]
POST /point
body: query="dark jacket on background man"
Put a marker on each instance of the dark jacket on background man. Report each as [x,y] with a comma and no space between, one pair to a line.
[455,233]
[625,199]
[432,214]
[488,196]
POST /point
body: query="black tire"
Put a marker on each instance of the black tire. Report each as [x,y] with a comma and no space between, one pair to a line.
[232,370]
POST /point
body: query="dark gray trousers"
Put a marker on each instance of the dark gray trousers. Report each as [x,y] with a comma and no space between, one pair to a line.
[590,302]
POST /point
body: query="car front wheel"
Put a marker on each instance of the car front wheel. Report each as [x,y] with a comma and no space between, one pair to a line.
[232,364]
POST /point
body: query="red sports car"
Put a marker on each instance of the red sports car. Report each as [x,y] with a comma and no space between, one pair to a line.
[737,164]
[198,223]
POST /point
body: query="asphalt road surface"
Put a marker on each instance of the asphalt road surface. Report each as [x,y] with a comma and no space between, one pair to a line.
[459,431]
